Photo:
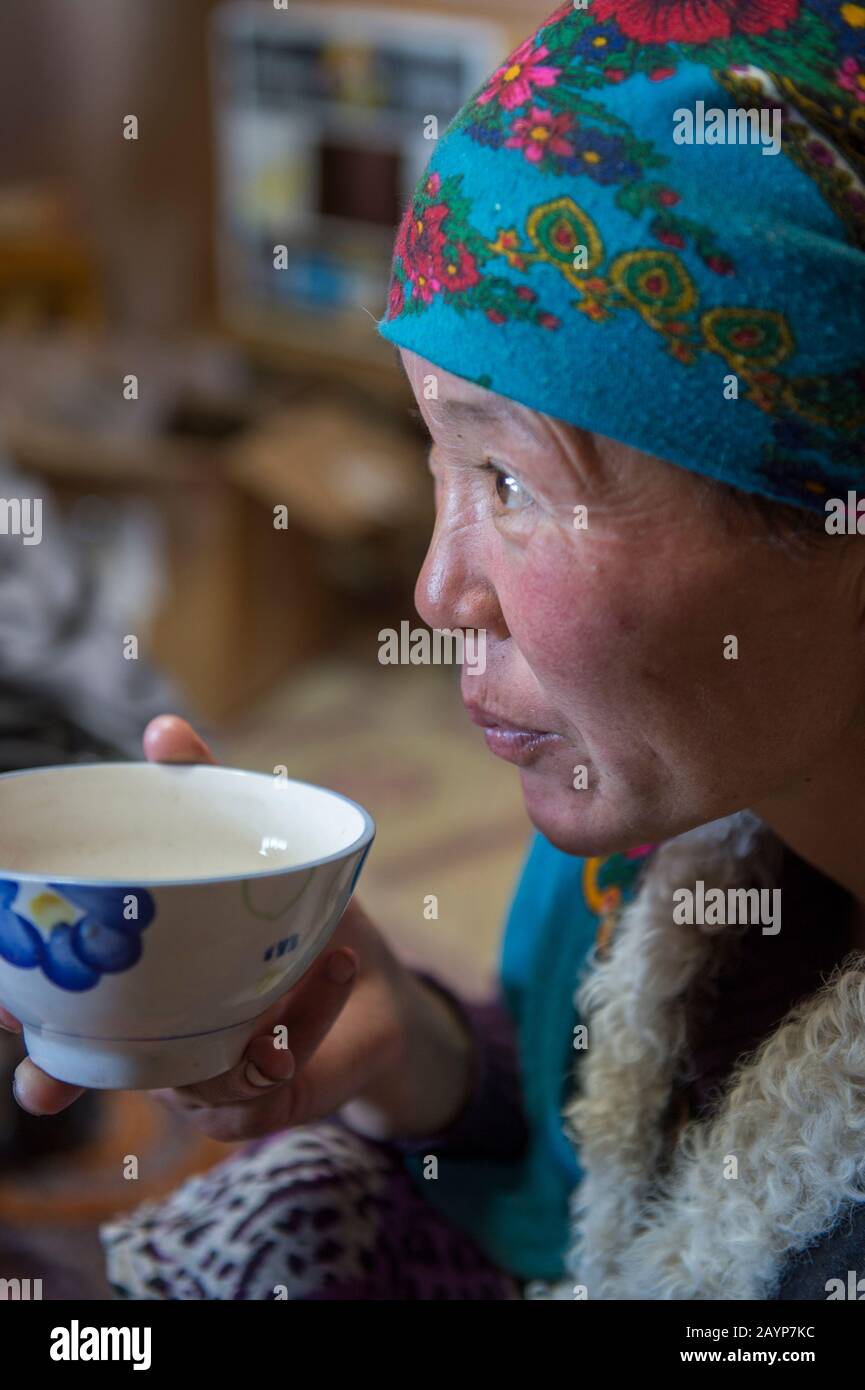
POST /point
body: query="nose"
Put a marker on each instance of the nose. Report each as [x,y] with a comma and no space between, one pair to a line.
[454,587]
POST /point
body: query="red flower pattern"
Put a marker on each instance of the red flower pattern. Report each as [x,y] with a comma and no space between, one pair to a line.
[430,262]
[419,243]
[694,21]
[670,238]
[540,131]
[514,81]
[457,272]
[395,299]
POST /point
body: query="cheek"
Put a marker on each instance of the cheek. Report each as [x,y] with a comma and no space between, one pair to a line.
[626,652]
[626,649]
[582,627]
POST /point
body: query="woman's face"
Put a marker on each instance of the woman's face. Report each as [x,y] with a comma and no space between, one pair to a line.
[605,645]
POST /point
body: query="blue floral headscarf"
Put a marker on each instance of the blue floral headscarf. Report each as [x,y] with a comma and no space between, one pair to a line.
[591,239]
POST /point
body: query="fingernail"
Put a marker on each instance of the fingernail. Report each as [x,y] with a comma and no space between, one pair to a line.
[341,967]
[256,1077]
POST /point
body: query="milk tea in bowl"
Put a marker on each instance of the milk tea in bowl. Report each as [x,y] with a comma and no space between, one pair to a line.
[150,913]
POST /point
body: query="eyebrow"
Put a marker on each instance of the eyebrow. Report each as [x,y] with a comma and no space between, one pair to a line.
[467,410]
[457,410]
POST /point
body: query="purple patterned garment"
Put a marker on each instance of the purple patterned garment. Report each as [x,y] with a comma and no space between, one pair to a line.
[320,1212]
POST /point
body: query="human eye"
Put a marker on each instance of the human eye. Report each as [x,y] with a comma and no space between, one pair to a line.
[511,495]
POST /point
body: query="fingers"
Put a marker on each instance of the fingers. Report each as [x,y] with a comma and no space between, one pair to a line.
[41,1094]
[243,1082]
[169,739]
[9,1021]
[238,1123]
[307,1019]
[312,1015]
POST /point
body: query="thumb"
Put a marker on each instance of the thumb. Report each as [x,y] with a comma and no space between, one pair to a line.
[169,739]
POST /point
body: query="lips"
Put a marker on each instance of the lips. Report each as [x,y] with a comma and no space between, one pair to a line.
[514,742]
[488,719]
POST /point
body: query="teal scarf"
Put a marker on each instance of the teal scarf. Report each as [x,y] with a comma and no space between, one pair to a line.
[650,222]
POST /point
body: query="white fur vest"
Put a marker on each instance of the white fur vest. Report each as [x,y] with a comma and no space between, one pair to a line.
[663,1218]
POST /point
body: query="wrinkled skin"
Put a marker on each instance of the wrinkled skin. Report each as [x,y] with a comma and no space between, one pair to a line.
[612,637]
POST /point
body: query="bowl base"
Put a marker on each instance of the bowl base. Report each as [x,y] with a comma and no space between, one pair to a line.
[137,1064]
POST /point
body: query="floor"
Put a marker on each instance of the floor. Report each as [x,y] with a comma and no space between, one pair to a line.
[451,825]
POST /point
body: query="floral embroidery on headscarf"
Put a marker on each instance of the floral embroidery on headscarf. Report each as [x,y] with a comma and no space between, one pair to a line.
[851,76]
[441,254]
[538,100]
[548,110]
[541,132]
[695,21]
[514,83]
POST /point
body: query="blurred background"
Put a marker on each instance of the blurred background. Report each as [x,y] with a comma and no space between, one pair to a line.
[167,378]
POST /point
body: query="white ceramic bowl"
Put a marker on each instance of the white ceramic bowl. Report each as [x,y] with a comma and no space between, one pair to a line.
[149,914]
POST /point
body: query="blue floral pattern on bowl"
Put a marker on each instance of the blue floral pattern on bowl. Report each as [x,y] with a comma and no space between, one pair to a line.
[74,933]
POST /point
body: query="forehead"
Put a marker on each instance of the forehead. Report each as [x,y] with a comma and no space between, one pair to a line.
[454,401]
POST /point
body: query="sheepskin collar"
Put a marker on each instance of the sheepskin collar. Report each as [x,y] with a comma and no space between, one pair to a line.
[658,1216]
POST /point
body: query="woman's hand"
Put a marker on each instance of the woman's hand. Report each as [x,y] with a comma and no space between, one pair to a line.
[362,1033]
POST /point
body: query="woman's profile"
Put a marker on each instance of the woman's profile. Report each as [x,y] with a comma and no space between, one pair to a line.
[628,296]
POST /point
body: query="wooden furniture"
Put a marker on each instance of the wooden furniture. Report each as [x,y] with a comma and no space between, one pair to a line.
[247,506]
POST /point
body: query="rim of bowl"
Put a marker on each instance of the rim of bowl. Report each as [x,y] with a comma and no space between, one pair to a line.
[363,841]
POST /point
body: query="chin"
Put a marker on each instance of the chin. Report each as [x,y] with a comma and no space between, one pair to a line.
[580,823]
